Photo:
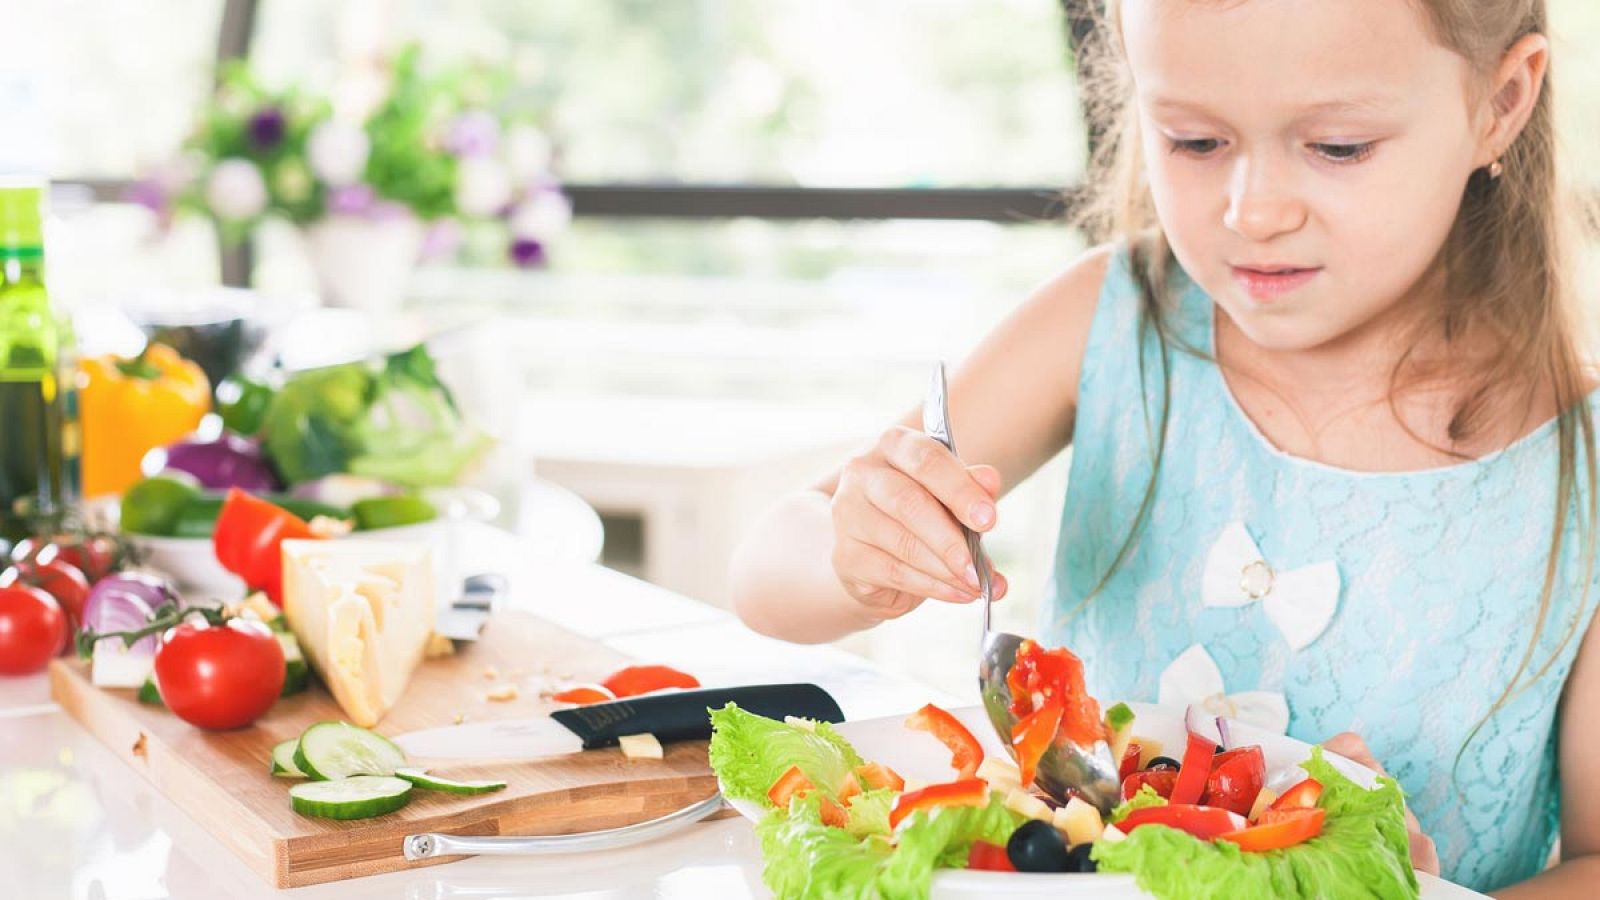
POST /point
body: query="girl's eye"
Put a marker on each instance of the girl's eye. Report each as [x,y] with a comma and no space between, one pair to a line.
[1194,146]
[1343,153]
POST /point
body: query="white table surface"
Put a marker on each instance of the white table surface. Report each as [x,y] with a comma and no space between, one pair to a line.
[75,822]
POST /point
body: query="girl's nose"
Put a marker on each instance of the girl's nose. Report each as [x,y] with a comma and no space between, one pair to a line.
[1261,203]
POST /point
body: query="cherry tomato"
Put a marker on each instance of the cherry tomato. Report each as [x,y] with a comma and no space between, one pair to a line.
[49,572]
[33,629]
[1204,822]
[1160,780]
[634,680]
[584,694]
[1279,828]
[1235,780]
[1130,760]
[95,555]
[1196,768]
[986,857]
[220,677]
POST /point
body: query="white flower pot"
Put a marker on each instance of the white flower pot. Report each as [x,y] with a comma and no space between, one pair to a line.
[364,264]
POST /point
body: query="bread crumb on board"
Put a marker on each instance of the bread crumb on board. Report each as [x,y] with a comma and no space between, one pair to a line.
[502,693]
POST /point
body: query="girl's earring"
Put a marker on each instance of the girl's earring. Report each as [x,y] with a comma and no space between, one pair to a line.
[1496,170]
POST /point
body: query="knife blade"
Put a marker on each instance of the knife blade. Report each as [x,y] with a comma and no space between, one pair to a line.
[669,715]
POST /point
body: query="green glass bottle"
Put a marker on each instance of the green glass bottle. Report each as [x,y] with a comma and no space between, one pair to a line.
[38,427]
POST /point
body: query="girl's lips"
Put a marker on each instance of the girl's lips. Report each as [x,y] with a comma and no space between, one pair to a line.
[1267,284]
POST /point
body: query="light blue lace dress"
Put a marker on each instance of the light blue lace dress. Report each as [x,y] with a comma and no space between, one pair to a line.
[1440,573]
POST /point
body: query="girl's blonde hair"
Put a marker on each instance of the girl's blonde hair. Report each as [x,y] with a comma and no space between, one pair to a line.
[1505,268]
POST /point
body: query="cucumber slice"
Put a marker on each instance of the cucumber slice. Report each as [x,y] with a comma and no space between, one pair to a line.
[357,797]
[331,750]
[422,779]
[283,760]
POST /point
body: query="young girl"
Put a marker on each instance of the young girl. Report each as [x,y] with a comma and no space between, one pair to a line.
[1332,435]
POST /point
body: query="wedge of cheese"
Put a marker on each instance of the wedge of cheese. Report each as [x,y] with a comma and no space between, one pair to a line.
[363,612]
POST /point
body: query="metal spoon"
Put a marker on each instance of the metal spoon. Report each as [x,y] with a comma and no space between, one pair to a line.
[1067,767]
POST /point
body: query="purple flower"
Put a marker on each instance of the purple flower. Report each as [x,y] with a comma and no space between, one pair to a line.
[527,253]
[475,132]
[267,127]
[351,200]
[152,194]
[442,239]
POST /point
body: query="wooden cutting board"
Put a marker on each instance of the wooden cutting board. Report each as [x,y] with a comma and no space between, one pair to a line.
[221,779]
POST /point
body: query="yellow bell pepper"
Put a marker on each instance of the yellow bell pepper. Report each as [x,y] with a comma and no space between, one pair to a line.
[128,407]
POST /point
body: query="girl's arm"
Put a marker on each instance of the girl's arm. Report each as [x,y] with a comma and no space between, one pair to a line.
[1011,401]
[1579,871]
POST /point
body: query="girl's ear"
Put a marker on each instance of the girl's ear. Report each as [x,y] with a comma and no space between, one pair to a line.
[1515,90]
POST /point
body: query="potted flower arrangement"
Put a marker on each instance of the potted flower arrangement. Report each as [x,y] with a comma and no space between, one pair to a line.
[440,157]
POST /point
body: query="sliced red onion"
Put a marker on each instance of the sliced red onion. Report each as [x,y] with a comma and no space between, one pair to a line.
[125,602]
[1222,730]
[1197,721]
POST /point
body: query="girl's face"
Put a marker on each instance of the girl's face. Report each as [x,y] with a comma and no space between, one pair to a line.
[1306,157]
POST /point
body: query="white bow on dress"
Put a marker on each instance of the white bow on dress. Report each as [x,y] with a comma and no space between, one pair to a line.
[1299,602]
[1193,679]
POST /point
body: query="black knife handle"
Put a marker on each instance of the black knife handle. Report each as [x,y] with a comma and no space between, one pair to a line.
[684,715]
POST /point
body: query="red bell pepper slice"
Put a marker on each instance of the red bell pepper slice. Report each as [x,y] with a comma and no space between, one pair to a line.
[1195,769]
[1204,822]
[1236,778]
[631,681]
[987,857]
[877,775]
[1279,828]
[794,783]
[1130,760]
[248,540]
[1302,796]
[1031,737]
[965,751]
[1160,780]
[966,792]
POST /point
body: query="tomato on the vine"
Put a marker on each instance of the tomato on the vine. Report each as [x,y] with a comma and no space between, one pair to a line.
[220,677]
[48,571]
[33,629]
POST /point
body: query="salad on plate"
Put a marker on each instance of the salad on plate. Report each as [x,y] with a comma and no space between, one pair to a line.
[1215,810]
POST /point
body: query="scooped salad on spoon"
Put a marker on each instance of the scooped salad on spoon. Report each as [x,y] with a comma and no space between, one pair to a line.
[1204,821]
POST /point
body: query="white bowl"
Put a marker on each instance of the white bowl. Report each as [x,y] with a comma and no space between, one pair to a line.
[917,755]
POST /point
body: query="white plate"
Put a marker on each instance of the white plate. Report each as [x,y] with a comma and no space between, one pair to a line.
[916,755]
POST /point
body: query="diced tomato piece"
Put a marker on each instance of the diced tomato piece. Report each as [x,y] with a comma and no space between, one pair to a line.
[1055,675]
[1204,822]
[630,681]
[852,787]
[1031,737]
[1302,796]
[1236,778]
[834,815]
[1196,768]
[1130,760]
[966,792]
[1161,781]
[877,775]
[965,752]
[1279,828]
[790,784]
[987,857]
[584,694]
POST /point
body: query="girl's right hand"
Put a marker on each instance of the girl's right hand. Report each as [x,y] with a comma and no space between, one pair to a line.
[897,540]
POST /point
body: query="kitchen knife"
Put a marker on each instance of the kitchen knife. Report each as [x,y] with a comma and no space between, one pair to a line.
[669,715]
[464,619]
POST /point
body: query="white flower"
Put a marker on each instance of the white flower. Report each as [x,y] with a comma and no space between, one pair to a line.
[235,191]
[542,216]
[483,187]
[338,152]
[527,153]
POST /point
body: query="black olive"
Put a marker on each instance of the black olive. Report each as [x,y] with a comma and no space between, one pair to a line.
[1038,847]
[1080,861]
[1164,762]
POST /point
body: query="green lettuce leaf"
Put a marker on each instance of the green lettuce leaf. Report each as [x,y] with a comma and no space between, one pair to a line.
[807,859]
[1362,852]
[749,752]
[1147,796]
[869,812]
